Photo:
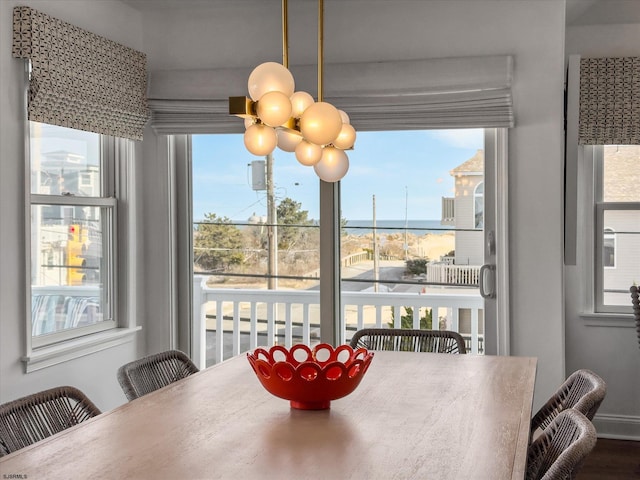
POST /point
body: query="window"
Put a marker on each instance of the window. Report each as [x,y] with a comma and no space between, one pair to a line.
[256,238]
[72,230]
[617,226]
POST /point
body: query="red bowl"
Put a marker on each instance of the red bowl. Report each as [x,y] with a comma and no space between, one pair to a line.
[310,378]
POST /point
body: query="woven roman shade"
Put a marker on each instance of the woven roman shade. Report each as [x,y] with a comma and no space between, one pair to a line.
[455,92]
[81,80]
[609,111]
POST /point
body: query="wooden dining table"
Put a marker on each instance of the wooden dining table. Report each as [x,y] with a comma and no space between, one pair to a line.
[413,416]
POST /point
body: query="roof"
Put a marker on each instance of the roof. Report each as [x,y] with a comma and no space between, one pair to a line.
[474,165]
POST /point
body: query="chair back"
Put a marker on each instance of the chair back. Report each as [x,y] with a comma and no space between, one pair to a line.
[150,373]
[409,340]
[559,452]
[32,418]
[583,391]
[635,302]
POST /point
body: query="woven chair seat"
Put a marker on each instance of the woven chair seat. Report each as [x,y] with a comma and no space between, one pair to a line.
[559,452]
[583,391]
[32,418]
[148,374]
[409,340]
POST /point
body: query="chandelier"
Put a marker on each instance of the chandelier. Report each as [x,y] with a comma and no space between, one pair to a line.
[278,115]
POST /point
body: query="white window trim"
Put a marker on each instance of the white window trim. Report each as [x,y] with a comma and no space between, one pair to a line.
[122,329]
[589,169]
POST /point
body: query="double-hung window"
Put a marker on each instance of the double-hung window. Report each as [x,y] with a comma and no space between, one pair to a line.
[72,233]
[617,225]
[602,215]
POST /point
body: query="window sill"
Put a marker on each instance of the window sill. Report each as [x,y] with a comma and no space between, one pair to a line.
[62,352]
[618,320]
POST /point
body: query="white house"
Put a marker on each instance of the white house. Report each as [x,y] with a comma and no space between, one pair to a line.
[468,210]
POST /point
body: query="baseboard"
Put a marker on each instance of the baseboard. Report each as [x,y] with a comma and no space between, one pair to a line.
[618,427]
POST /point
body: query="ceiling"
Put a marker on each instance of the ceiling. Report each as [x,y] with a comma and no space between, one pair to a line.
[599,12]
[578,12]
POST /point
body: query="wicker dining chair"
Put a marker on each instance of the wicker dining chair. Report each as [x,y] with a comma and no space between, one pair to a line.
[150,373]
[559,452]
[583,391]
[37,416]
[409,340]
[635,302]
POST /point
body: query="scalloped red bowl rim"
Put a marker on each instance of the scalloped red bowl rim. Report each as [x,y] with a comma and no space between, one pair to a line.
[310,383]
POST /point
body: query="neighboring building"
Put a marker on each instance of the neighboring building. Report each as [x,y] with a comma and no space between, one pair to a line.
[466,210]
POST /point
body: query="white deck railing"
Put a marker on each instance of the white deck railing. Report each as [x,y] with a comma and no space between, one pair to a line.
[250,317]
[452,274]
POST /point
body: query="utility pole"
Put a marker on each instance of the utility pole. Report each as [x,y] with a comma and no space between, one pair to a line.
[376,268]
[272,228]
[406,222]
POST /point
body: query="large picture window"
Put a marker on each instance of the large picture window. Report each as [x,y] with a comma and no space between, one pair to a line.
[72,231]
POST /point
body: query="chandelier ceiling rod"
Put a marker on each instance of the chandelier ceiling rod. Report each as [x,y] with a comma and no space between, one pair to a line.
[285,34]
[320,48]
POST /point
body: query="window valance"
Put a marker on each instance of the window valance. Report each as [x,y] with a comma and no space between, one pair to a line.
[461,92]
[609,112]
[81,80]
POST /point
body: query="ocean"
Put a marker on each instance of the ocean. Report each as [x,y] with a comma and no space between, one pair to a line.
[416,227]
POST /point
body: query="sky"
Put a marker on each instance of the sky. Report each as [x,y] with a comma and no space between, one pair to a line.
[407,171]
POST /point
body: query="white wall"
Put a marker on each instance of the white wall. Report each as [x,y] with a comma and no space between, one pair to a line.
[607,345]
[94,374]
[243,34]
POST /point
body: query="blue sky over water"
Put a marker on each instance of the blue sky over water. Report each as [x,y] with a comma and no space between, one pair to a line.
[405,170]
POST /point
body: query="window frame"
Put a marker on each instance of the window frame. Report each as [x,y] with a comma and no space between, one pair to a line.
[107,202]
[123,241]
[591,219]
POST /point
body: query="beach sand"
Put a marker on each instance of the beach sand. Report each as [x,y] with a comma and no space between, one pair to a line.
[433,246]
[430,245]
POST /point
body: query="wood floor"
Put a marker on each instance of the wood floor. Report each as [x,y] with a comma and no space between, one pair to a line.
[612,460]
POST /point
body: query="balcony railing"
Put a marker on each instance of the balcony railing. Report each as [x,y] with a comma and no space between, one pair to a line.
[248,318]
[440,273]
[55,308]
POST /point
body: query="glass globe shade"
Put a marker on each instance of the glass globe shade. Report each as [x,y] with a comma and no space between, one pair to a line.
[346,138]
[321,123]
[248,121]
[344,116]
[333,165]
[274,108]
[288,140]
[270,77]
[260,139]
[300,101]
[308,153]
